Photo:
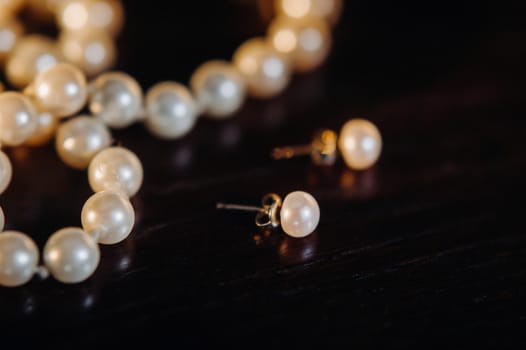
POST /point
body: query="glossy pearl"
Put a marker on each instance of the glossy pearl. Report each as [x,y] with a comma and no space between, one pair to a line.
[360,144]
[31,55]
[18,118]
[116,169]
[116,99]
[10,32]
[219,88]
[92,51]
[307,41]
[45,131]
[91,15]
[171,110]
[2,219]
[18,258]
[266,71]
[80,139]
[71,255]
[109,215]
[329,10]
[300,214]
[6,172]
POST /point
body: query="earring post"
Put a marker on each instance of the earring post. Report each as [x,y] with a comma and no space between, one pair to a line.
[228,206]
[289,152]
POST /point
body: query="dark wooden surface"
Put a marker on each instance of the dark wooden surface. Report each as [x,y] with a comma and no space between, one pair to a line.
[428,247]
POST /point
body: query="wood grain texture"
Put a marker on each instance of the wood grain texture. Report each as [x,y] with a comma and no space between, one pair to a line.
[428,247]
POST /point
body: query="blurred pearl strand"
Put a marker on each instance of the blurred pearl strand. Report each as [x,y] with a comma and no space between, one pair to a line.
[52,75]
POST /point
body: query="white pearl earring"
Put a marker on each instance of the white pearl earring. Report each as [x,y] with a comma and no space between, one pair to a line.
[298,214]
[359,143]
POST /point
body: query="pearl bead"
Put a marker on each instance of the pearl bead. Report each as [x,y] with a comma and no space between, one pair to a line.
[10,32]
[60,90]
[31,55]
[116,169]
[300,214]
[109,215]
[45,131]
[330,10]
[219,88]
[18,258]
[78,140]
[71,255]
[10,7]
[92,51]
[116,99]
[171,110]
[18,118]
[266,71]
[90,15]
[6,172]
[2,219]
[360,144]
[307,41]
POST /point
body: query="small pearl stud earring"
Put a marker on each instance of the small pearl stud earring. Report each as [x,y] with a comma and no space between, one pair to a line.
[298,213]
[360,144]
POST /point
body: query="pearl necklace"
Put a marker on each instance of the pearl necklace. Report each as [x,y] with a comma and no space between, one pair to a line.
[298,40]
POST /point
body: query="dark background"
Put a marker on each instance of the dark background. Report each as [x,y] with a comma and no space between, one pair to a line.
[427,248]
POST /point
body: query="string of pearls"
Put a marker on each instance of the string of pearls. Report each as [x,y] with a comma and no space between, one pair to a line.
[298,40]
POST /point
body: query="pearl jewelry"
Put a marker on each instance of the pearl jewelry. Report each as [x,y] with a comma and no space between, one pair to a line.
[18,258]
[60,90]
[71,255]
[18,118]
[91,15]
[116,169]
[360,144]
[266,71]
[219,88]
[10,7]
[2,219]
[116,99]
[10,32]
[171,110]
[46,127]
[6,172]
[330,10]
[80,139]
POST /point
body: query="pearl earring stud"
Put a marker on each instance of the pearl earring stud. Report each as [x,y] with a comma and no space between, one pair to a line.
[298,214]
[359,143]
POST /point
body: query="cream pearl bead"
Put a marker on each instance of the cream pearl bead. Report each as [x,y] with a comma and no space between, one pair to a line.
[78,140]
[45,131]
[88,15]
[31,55]
[71,255]
[10,7]
[360,144]
[330,10]
[60,90]
[116,99]
[300,214]
[10,32]
[219,88]
[266,71]
[92,51]
[109,215]
[307,41]
[171,110]
[18,258]
[116,169]
[2,219]
[6,172]
[18,118]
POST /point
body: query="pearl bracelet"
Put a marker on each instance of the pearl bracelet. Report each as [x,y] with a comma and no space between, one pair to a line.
[298,40]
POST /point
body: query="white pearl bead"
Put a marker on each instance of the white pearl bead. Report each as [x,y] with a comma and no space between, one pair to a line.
[6,172]
[91,15]
[78,140]
[18,258]
[71,255]
[266,71]
[360,144]
[116,99]
[45,131]
[10,32]
[171,110]
[219,88]
[109,215]
[2,219]
[92,51]
[116,169]
[330,10]
[18,118]
[60,90]
[31,55]
[300,214]
[307,41]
